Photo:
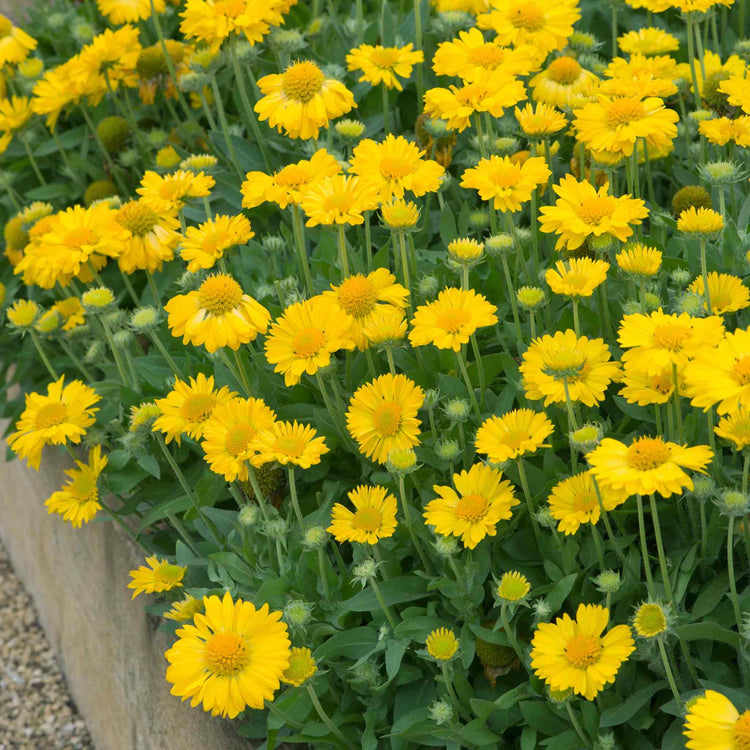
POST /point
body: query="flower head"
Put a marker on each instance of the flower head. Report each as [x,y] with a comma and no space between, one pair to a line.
[373,517]
[650,620]
[513,587]
[156,576]
[302,667]
[575,501]
[713,721]
[78,501]
[506,183]
[700,222]
[204,245]
[379,64]
[442,644]
[577,277]
[514,434]
[290,444]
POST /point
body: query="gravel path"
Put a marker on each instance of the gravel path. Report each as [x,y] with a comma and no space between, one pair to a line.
[36,710]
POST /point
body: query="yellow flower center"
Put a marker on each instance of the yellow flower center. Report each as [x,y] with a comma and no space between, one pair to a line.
[471,507]
[6,27]
[671,336]
[564,362]
[219,295]
[397,215]
[514,437]
[302,81]
[487,56]
[78,237]
[527,17]
[741,370]
[384,58]
[741,427]
[648,453]
[308,342]
[357,296]
[83,488]
[623,111]
[650,620]
[442,646]
[564,70]
[453,320]
[198,408]
[238,438]
[341,202]
[583,650]
[167,573]
[137,218]
[742,732]
[50,415]
[291,445]
[662,384]
[226,654]
[387,418]
[585,501]
[367,519]
[395,167]
[592,210]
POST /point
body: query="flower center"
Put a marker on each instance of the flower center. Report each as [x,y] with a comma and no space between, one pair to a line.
[623,111]
[471,507]
[453,320]
[387,418]
[514,437]
[168,574]
[487,56]
[238,438]
[564,70]
[226,654]
[395,167]
[137,218]
[593,210]
[83,488]
[291,445]
[384,58]
[367,519]
[505,176]
[583,651]
[741,427]
[219,295]
[302,81]
[293,177]
[527,17]
[357,296]
[742,732]
[651,620]
[308,342]
[50,415]
[662,384]
[339,201]
[80,236]
[585,501]
[564,363]
[671,337]
[741,370]
[198,408]
[6,27]
[648,453]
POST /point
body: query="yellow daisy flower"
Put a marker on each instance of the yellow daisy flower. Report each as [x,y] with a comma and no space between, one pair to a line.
[302,667]
[338,200]
[574,501]
[15,43]
[202,246]
[648,41]
[229,435]
[562,83]
[217,314]
[727,292]
[301,100]
[382,416]
[185,609]
[71,311]
[737,89]
[233,656]
[573,654]
[576,277]
[649,620]
[513,587]
[156,576]
[700,222]
[303,339]
[735,427]
[450,320]
[152,237]
[128,11]
[170,192]
[78,501]
[639,260]
[713,722]
[721,130]
[379,64]
[373,517]
[514,434]
[646,75]
[57,418]
[386,326]
[505,182]
[472,511]
[289,443]
[644,389]
[113,51]
[648,465]
[540,120]
[442,644]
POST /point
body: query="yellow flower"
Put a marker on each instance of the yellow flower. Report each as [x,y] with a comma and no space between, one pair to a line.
[301,100]
[648,465]
[218,314]
[23,312]
[167,157]
[659,340]
[577,277]
[301,667]
[111,53]
[394,166]
[467,6]
[15,44]
[78,501]
[584,364]
[737,89]
[143,415]
[573,654]
[442,644]
[469,54]
[185,609]
[489,91]
[727,292]
[15,112]
[229,435]
[233,656]
[735,427]
[720,373]
[721,130]
[615,124]
[399,214]
[382,416]
[514,434]
[128,11]
[385,327]
[649,620]
[152,237]
[540,120]
[450,320]
[156,576]
[648,41]
[647,76]
[700,222]
[472,511]
[574,501]
[544,26]
[170,192]
[62,416]
[562,83]
[465,250]
[187,407]
[506,183]
[202,246]
[373,518]
[582,211]
[289,443]
[640,260]
[713,722]
[287,186]
[303,339]
[61,87]
[384,65]
[71,311]
[513,587]
[338,200]
[645,388]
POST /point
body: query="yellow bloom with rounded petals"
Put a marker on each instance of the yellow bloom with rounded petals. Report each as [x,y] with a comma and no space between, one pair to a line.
[735,427]
[563,82]
[647,75]
[644,388]
[722,130]
[152,237]
[379,64]
[338,199]
[540,120]
[639,260]
[128,11]
[373,517]
[514,434]
[170,192]
[78,501]
[15,43]
[712,722]
[727,292]
[156,576]
[302,667]
[505,182]
[648,41]
[185,609]
[204,245]
[576,277]
[290,444]
[442,644]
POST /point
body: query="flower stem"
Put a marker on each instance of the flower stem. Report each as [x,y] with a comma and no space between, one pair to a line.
[42,355]
[326,719]
[467,381]
[660,550]
[732,579]
[511,636]
[322,571]
[704,273]
[154,337]
[610,533]
[381,601]
[225,126]
[414,539]
[343,257]
[298,230]
[513,303]
[668,672]
[295,500]
[529,501]
[644,550]
[571,714]
[386,110]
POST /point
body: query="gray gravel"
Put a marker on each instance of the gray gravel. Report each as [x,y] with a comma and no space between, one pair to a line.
[36,709]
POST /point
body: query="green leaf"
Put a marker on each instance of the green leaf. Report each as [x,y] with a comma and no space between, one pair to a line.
[612,717]
[235,566]
[475,733]
[708,631]
[167,507]
[540,716]
[448,230]
[395,591]
[708,599]
[351,644]
[394,653]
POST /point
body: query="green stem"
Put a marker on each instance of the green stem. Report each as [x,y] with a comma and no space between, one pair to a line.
[414,539]
[295,500]
[42,355]
[467,381]
[668,672]
[259,497]
[343,257]
[510,634]
[513,303]
[704,273]
[405,266]
[154,337]
[660,550]
[381,601]
[322,571]
[298,230]
[325,718]
[386,110]
[571,714]
[732,579]
[644,549]
[33,162]
[75,360]
[225,126]
[529,502]
[418,38]
[677,405]
[480,368]
[691,60]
